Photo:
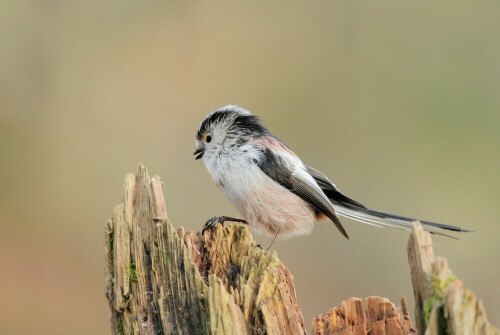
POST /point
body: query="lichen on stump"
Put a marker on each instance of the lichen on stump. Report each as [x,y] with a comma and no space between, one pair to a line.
[153,285]
[162,281]
[442,304]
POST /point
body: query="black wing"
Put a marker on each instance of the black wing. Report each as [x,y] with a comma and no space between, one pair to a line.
[276,168]
[330,189]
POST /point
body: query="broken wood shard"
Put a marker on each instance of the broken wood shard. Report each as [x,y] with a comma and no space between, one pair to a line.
[349,318]
[442,305]
[166,281]
[153,285]
[162,281]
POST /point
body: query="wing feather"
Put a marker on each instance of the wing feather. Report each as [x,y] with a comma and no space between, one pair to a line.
[330,190]
[277,166]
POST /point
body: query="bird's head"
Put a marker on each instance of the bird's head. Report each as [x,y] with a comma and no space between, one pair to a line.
[227,127]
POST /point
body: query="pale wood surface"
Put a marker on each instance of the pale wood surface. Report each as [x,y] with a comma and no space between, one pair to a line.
[443,306]
[153,285]
[162,281]
[379,317]
[166,281]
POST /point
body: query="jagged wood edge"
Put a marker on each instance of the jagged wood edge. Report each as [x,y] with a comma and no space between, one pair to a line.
[160,288]
[442,304]
[379,317]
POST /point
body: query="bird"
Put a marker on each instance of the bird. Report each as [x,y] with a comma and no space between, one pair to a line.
[270,186]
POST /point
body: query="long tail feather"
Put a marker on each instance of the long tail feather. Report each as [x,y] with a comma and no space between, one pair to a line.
[380,219]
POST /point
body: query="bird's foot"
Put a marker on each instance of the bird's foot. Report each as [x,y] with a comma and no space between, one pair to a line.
[210,224]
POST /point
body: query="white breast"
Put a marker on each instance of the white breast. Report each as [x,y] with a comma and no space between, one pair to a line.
[262,202]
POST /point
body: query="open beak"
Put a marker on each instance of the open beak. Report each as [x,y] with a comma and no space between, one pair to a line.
[198,151]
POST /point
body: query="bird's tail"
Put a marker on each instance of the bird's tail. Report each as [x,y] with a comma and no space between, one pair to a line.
[381,219]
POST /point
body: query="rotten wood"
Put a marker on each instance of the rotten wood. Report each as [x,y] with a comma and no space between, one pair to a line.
[162,281]
[442,304]
[380,317]
[166,281]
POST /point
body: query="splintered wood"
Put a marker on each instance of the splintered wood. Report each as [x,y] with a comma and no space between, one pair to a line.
[163,281]
[442,304]
[254,281]
[380,318]
[153,285]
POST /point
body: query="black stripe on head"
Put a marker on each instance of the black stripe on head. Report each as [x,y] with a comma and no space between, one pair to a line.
[213,118]
[250,125]
[240,122]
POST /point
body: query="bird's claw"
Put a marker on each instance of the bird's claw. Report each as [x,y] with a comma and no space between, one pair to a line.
[210,224]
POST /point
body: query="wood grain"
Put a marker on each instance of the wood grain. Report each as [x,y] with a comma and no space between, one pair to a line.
[166,281]
[162,281]
[379,317]
[443,305]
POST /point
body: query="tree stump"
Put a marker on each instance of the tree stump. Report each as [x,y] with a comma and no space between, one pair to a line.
[442,305]
[349,318]
[163,281]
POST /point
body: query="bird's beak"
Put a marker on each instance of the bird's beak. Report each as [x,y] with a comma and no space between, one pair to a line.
[198,151]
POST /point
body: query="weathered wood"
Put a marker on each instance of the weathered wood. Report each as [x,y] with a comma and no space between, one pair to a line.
[162,281]
[380,318]
[442,305]
[260,285]
[153,285]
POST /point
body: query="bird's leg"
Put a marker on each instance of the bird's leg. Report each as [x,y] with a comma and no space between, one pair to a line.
[210,224]
[272,240]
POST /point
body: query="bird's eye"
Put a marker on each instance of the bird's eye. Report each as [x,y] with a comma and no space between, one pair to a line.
[208,138]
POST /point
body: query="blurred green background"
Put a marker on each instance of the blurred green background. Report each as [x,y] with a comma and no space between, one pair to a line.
[397,101]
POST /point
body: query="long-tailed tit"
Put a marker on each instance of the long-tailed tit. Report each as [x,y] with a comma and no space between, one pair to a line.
[270,186]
